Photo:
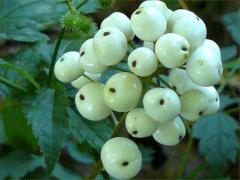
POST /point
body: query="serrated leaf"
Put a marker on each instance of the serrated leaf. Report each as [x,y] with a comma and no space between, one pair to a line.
[232,23]
[63,173]
[95,133]
[17,164]
[218,140]
[48,116]
[22,20]
[19,133]
[226,101]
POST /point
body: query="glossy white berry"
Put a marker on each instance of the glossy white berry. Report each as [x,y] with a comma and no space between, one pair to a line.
[149,45]
[122,91]
[158,5]
[68,68]
[193,29]
[180,81]
[148,24]
[142,62]
[204,67]
[170,133]
[82,80]
[169,14]
[121,158]
[88,59]
[193,104]
[213,46]
[172,50]
[161,104]
[90,103]
[213,100]
[120,21]
[176,15]
[109,45]
[139,124]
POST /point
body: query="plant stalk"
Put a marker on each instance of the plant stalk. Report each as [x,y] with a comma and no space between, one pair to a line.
[13,85]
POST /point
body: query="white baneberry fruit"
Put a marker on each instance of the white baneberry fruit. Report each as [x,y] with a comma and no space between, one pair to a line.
[180,81]
[122,91]
[120,21]
[68,68]
[158,5]
[161,104]
[82,80]
[90,103]
[213,100]
[121,158]
[149,45]
[193,29]
[139,124]
[110,46]
[213,46]
[142,62]
[170,133]
[88,59]
[204,67]
[176,15]
[148,24]
[193,104]
[172,50]
[169,14]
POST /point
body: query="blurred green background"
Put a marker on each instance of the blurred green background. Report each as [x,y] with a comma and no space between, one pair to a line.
[28,30]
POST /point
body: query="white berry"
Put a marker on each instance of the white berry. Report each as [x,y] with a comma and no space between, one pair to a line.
[148,24]
[172,50]
[213,46]
[139,124]
[204,67]
[122,91]
[193,104]
[90,103]
[193,29]
[170,133]
[68,68]
[121,158]
[142,62]
[161,104]
[88,59]
[158,5]
[82,80]
[120,21]
[110,46]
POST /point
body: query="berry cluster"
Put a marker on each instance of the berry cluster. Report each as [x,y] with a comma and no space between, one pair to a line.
[172,40]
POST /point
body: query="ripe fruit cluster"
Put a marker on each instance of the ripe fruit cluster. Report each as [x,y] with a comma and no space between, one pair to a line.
[172,40]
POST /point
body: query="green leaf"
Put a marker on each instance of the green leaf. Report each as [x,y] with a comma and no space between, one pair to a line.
[232,23]
[147,153]
[19,133]
[3,136]
[22,20]
[95,133]
[63,173]
[218,139]
[226,101]
[228,52]
[48,115]
[17,164]
[23,73]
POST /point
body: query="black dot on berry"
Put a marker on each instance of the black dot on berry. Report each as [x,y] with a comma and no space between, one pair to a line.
[62,59]
[82,97]
[106,33]
[137,12]
[217,99]
[134,132]
[82,53]
[180,137]
[184,48]
[198,18]
[161,102]
[112,90]
[134,63]
[125,163]
[200,113]
[174,88]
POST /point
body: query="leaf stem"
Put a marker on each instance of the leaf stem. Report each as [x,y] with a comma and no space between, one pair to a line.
[13,85]
[54,55]
[81,4]
[98,165]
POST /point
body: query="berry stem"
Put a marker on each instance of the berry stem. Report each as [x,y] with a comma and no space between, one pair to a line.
[88,78]
[13,85]
[187,152]
[115,121]
[117,130]
[54,55]
[183,4]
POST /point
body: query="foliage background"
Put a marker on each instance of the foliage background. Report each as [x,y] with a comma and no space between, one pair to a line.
[42,135]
